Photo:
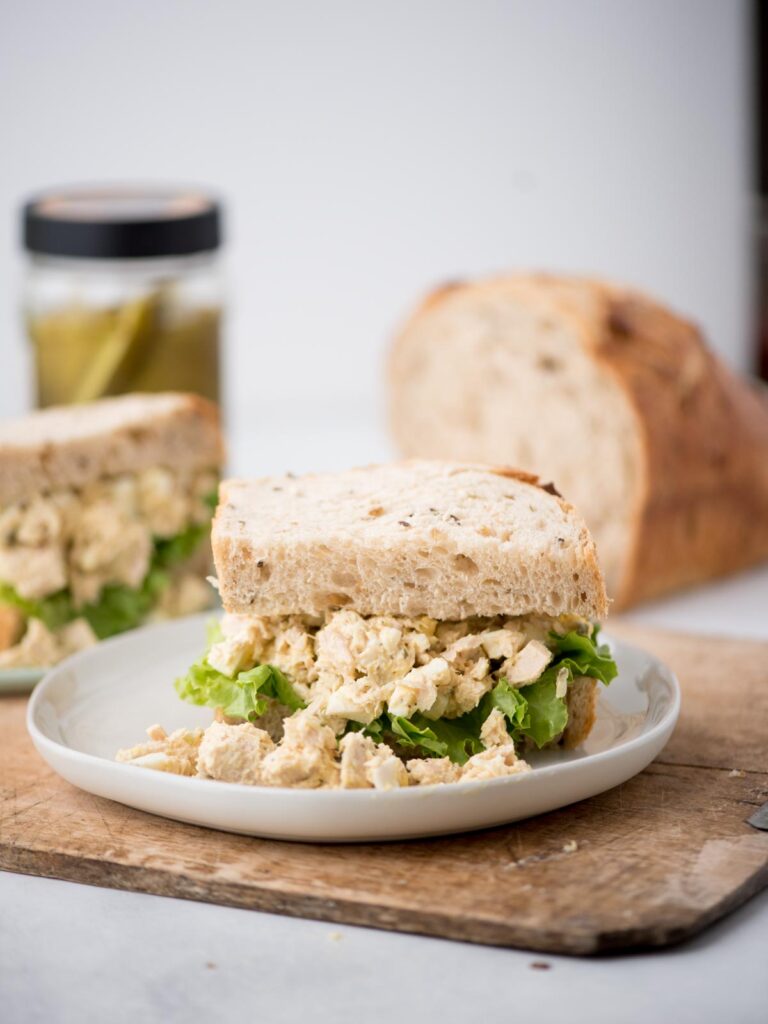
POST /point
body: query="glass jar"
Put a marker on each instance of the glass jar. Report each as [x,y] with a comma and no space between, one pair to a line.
[123,293]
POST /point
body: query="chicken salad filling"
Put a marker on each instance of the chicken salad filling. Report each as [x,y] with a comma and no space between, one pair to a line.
[353,701]
[79,565]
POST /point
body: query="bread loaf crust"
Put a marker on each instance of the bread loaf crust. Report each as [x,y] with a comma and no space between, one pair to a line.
[70,446]
[701,505]
[423,537]
[705,506]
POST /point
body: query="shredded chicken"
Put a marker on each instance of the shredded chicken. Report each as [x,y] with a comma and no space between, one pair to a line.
[100,535]
[305,757]
[310,757]
[177,753]
[41,647]
[83,541]
[351,669]
[234,753]
[494,731]
[493,763]
[431,771]
[366,764]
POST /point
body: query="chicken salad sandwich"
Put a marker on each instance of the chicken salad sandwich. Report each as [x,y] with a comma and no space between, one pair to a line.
[105,514]
[410,624]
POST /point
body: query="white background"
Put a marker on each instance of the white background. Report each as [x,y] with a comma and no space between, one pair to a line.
[368,150]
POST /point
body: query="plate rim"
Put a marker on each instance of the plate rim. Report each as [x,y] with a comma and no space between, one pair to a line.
[21,679]
[170,781]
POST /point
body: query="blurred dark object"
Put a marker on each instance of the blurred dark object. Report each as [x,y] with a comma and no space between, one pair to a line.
[123,292]
[761,138]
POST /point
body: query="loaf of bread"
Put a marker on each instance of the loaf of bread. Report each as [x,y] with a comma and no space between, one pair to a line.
[414,538]
[619,401]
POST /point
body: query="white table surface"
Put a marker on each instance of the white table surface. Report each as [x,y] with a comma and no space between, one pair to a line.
[70,953]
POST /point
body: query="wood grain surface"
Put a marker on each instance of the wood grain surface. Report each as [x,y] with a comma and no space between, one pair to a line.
[646,864]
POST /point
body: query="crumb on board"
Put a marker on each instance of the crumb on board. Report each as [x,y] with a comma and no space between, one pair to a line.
[737,773]
[571,846]
[336,936]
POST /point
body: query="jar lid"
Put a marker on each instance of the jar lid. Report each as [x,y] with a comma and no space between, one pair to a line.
[121,222]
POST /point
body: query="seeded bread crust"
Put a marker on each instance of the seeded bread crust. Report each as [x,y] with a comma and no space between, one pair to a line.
[432,538]
[70,446]
[661,447]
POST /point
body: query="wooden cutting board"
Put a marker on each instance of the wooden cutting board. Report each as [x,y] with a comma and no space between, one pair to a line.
[646,864]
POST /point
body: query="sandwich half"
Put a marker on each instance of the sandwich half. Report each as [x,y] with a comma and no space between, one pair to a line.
[105,514]
[416,623]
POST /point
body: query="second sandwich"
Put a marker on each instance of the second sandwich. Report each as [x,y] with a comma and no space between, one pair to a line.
[105,516]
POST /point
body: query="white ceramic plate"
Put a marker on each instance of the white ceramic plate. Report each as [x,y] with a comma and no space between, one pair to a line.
[104,698]
[19,680]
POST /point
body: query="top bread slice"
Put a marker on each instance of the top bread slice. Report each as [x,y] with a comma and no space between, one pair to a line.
[661,448]
[413,538]
[70,446]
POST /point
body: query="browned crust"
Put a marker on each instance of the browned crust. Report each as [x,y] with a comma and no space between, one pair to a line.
[209,411]
[583,714]
[704,499]
[11,622]
[590,550]
[702,508]
[515,474]
[437,294]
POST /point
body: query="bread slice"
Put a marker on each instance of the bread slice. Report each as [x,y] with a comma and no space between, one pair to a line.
[11,626]
[662,449]
[70,446]
[582,711]
[412,538]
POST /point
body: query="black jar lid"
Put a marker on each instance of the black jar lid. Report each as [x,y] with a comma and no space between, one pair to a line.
[121,222]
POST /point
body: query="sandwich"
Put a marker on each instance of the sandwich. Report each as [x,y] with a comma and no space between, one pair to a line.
[105,514]
[677,445]
[407,624]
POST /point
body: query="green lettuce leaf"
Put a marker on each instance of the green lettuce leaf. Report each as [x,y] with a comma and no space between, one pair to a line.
[582,656]
[456,738]
[546,715]
[54,611]
[119,608]
[509,700]
[460,737]
[175,550]
[213,632]
[533,711]
[284,692]
[247,695]
[375,729]
[410,732]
